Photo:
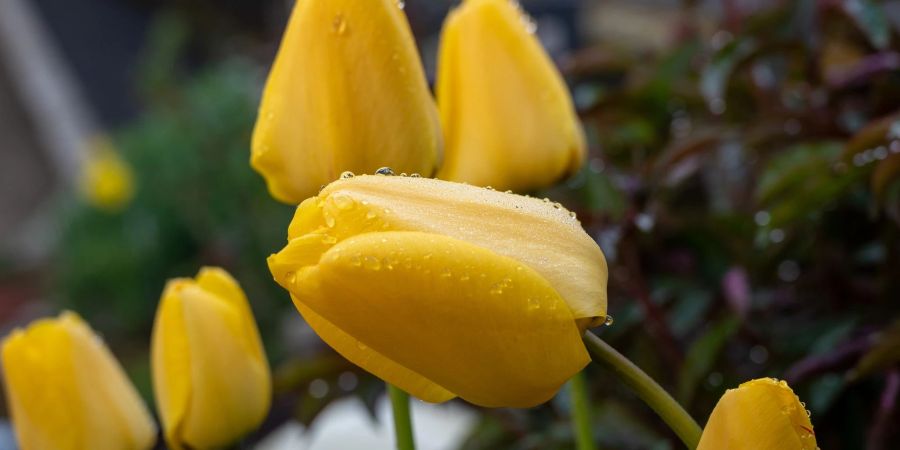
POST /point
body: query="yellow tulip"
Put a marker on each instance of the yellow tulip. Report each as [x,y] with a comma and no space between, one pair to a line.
[445,289]
[762,414]
[106,180]
[66,391]
[346,92]
[210,374]
[507,116]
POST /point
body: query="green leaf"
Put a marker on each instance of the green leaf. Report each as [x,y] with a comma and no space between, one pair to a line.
[702,355]
[884,354]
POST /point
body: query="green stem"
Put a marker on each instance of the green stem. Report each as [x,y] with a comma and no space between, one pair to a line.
[581,413]
[648,390]
[402,418]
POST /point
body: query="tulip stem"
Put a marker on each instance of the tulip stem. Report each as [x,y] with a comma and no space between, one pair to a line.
[648,390]
[402,418]
[581,413]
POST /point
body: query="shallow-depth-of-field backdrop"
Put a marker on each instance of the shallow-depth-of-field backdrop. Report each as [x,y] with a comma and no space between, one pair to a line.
[743,182]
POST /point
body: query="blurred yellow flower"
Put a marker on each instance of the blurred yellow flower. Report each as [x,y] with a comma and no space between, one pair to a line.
[445,289]
[346,92]
[507,116]
[210,374]
[106,180]
[66,391]
[762,414]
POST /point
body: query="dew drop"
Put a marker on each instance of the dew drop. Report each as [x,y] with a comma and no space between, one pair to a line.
[387,171]
[361,346]
[403,174]
[573,215]
[292,277]
[496,289]
[415,175]
[327,239]
[446,273]
[370,215]
[339,24]
[557,205]
[401,4]
[355,261]
[343,202]
[608,321]
[490,188]
[507,191]
[347,174]
[372,263]
[533,304]
[464,277]
[329,220]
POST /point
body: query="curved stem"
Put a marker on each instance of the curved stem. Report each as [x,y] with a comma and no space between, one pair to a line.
[402,418]
[648,390]
[581,413]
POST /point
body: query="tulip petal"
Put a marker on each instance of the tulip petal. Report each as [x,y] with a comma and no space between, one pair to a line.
[762,414]
[513,126]
[481,325]
[358,353]
[51,372]
[536,233]
[346,92]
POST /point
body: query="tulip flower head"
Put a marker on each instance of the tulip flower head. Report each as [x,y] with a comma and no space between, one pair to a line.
[507,116]
[107,182]
[762,414]
[445,289]
[210,374]
[66,391]
[346,92]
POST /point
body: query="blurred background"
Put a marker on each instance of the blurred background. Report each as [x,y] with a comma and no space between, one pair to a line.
[743,182]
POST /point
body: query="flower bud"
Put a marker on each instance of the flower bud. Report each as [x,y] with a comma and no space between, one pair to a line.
[66,391]
[507,116]
[445,289]
[210,374]
[759,414]
[346,92]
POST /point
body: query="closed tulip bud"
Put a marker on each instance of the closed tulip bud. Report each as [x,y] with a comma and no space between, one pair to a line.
[346,92]
[445,289]
[507,116]
[210,374]
[762,414]
[66,391]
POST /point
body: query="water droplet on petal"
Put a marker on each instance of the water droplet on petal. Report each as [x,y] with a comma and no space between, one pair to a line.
[339,24]
[343,202]
[446,273]
[608,321]
[347,174]
[415,175]
[401,4]
[372,263]
[387,171]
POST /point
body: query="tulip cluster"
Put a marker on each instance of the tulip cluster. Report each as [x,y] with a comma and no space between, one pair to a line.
[211,379]
[347,92]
